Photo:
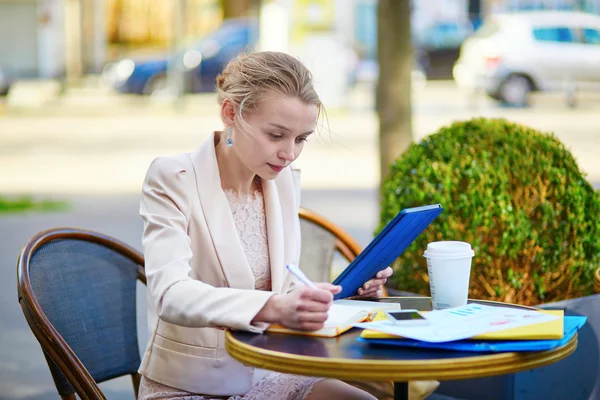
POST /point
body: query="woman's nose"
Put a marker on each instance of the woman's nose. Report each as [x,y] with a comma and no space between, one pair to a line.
[287,153]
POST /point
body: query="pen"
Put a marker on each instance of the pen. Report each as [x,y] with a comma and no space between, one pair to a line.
[297,272]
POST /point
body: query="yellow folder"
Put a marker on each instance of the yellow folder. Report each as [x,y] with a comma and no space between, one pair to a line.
[542,331]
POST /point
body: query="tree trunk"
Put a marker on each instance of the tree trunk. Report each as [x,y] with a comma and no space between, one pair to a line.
[394,49]
[234,8]
[114,25]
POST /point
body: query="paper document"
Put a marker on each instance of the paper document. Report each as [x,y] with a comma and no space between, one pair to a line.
[462,323]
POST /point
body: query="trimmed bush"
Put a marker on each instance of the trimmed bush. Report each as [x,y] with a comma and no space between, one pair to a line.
[28,203]
[517,195]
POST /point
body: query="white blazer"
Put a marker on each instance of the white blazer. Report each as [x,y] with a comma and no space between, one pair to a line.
[198,277]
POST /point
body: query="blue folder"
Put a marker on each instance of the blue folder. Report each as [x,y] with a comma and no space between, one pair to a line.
[571,325]
[397,235]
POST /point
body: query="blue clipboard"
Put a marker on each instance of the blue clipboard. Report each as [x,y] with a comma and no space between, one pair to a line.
[397,235]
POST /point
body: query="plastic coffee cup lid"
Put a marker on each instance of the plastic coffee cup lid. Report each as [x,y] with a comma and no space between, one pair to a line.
[448,250]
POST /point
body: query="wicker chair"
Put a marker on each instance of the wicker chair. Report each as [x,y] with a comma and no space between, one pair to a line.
[77,292]
[321,240]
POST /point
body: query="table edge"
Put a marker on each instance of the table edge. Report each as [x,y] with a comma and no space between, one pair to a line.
[396,370]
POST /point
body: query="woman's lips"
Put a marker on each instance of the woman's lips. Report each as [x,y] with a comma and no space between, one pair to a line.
[276,168]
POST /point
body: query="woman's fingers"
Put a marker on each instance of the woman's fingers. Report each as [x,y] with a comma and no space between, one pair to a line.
[310,326]
[386,273]
[319,295]
[378,292]
[313,306]
[374,283]
[334,289]
[309,318]
[370,291]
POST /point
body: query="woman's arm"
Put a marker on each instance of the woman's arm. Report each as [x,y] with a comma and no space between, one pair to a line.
[179,299]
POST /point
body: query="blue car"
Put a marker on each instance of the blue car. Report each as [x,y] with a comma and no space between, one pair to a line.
[200,63]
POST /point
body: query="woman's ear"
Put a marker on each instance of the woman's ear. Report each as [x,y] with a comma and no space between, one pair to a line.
[228,110]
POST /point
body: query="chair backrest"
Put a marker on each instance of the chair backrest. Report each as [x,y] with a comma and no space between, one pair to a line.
[77,292]
[321,239]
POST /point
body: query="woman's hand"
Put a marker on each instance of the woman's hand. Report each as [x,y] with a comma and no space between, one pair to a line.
[302,309]
[374,287]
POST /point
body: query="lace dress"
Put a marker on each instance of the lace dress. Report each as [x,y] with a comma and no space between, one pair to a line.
[249,216]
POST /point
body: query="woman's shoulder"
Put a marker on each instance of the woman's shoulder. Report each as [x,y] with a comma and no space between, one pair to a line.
[169,166]
[170,176]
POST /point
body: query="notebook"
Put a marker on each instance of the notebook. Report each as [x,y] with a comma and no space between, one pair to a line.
[342,315]
[397,235]
[545,330]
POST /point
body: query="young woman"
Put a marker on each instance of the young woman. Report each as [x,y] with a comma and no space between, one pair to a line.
[220,224]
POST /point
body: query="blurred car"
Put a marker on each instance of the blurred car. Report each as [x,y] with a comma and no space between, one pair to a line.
[443,35]
[514,54]
[201,62]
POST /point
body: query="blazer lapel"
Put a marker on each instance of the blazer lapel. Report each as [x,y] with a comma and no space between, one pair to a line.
[275,233]
[217,214]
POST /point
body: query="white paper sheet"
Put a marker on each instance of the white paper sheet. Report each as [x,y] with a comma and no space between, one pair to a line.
[461,323]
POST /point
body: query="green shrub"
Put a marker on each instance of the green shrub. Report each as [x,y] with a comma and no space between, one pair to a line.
[517,195]
[28,203]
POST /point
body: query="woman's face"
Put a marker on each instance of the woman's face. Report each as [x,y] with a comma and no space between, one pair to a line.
[274,134]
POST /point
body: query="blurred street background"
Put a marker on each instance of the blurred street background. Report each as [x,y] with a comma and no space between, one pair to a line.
[92,140]
[93,90]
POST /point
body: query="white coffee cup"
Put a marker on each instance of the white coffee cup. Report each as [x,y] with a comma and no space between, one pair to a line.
[449,268]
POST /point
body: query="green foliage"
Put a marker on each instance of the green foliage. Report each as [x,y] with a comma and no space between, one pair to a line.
[27,203]
[517,195]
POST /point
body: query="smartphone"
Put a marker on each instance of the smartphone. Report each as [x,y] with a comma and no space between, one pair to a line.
[407,317]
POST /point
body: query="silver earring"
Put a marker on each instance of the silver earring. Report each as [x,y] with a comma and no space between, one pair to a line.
[229,140]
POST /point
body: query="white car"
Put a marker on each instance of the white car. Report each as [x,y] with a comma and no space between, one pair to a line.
[514,54]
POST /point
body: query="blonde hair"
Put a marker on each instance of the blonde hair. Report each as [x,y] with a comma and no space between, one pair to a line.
[249,76]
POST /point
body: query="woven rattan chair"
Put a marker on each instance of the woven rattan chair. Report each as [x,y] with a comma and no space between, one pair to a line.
[77,290]
[321,240]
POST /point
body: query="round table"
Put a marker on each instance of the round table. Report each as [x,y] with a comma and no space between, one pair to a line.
[344,357]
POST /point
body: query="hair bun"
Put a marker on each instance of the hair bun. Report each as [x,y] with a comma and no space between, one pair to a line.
[220,81]
[247,77]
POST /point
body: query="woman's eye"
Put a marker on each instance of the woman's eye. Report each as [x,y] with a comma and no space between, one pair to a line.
[275,136]
[301,139]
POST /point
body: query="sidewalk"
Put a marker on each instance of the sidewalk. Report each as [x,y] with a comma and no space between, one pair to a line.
[92,140]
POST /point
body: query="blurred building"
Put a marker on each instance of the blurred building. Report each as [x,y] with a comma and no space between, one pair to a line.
[151,23]
[69,38]
[51,38]
[31,38]
[58,38]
